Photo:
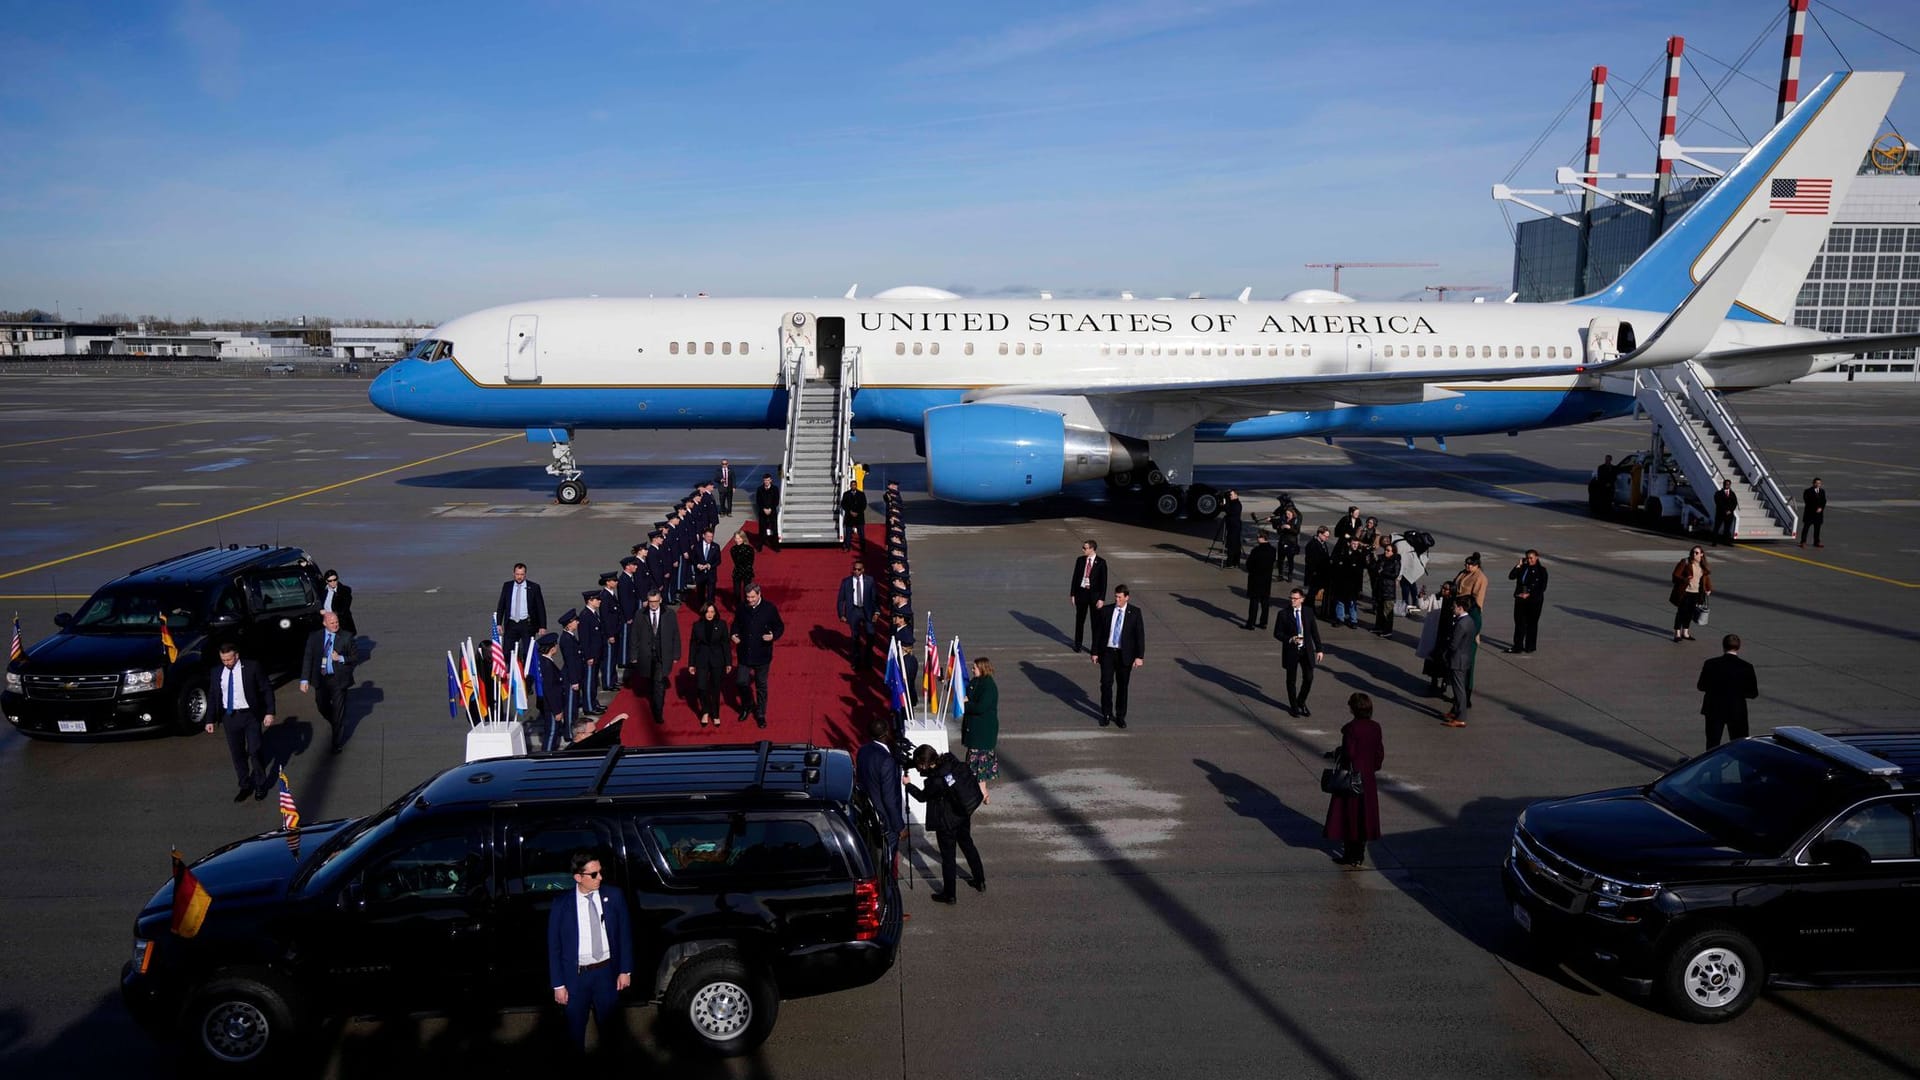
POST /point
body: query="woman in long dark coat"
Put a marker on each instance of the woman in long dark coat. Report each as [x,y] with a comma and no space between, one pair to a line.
[1385,569]
[708,651]
[980,727]
[1436,630]
[741,552]
[1355,819]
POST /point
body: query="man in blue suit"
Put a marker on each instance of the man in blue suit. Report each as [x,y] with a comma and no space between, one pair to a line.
[856,606]
[877,771]
[589,950]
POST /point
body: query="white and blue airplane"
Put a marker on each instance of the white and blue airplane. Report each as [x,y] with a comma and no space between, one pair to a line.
[1012,400]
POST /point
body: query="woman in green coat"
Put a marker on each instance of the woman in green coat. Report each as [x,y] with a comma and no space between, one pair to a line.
[980,727]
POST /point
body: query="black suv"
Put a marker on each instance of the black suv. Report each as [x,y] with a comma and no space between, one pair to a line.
[106,671]
[1788,860]
[752,873]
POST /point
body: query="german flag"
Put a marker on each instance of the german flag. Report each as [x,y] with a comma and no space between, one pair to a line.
[190,900]
[167,646]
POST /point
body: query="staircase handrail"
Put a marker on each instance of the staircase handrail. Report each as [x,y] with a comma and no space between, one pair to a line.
[795,361]
[1751,465]
[843,431]
[1697,463]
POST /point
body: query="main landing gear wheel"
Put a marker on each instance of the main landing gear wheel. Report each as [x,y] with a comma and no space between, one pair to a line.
[571,492]
[1166,502]
[1203,501]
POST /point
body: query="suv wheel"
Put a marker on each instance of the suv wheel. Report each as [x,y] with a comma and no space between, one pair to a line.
[239,1024]
[1712,976]
[722,1004]
[191,712]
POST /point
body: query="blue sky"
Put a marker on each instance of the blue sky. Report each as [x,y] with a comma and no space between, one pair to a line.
[423,159]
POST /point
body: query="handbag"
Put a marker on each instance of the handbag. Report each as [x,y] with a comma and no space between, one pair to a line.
[1341,780]
[1700,615]
[965,793]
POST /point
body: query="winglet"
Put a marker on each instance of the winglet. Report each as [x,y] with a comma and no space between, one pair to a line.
[1689,330]
[1246,294]
[851,291]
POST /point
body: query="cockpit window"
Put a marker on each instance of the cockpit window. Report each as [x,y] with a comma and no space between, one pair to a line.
[431,349]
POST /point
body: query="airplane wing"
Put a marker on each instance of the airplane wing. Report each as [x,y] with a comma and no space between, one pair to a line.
[1255,396]
[1811,350]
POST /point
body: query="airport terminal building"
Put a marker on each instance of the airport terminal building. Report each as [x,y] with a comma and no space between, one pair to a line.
[1866,279]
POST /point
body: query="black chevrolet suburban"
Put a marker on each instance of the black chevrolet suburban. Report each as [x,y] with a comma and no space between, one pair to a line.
[1788,860]
[752,874]
[105,672]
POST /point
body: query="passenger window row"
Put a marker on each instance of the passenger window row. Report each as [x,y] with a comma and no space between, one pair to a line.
[698,348]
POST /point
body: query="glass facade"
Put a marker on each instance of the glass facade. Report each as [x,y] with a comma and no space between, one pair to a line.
[1866,279]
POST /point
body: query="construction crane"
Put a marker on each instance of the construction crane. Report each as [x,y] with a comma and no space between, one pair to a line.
[1443,290]
[1336,267]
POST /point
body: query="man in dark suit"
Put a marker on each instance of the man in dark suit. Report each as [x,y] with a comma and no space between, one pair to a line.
[242,703]
[1087,587]
[1119,646]
[1460,656]
[1728,683]
[339,599]
[877,771]
[856,605]
[1299,634]
[1725,505]
[1318,574]
[521,611]
[1529,599]
[326,670]
[589,950]
[853,514]
[1814,499]
[630,591]
[547,691]
[766,503]
[1260,579]
[723,486]
[653,651]
[1230,528]
[705,562]
[756,626]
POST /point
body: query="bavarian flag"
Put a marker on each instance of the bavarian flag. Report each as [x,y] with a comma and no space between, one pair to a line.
[190,900]
[166,640]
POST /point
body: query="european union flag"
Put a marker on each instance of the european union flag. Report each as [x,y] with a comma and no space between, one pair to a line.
[454,697]
[896,679]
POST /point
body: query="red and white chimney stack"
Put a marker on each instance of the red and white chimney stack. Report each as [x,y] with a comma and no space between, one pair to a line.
[1593,134]
[1790,62]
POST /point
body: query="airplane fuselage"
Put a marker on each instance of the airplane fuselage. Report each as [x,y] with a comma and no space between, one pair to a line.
[691,363]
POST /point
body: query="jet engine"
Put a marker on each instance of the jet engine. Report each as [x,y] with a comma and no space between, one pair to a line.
[981,452]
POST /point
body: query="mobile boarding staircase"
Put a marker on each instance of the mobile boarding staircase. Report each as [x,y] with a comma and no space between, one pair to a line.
[1692,425]
[821,377]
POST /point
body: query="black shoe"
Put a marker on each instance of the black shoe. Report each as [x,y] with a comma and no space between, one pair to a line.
[1105,719]
[1293,710]
[241,795]
[1249,626]
[1510,651]
[941,897]
[1303,711]
[760,720]
[1120,723]
[743,716]
[259,794]
[979,885]
[336,746]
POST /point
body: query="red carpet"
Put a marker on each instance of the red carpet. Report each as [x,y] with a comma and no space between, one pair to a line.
[812,696]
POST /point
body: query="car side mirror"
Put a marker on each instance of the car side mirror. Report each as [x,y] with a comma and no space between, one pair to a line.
[223,620]
[61,620]
[1842,853]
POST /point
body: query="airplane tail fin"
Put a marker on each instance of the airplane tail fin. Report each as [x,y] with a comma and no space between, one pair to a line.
[1800,172]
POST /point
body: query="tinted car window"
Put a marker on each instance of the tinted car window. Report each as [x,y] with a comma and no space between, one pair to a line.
[1884,829]
[127,609]
[282,590]
[699,850]
[436,868]
[546,855]
[1754,794]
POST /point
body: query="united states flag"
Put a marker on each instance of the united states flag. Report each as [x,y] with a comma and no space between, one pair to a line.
[499,655]
[288,811]
[17,651]
[1801,196]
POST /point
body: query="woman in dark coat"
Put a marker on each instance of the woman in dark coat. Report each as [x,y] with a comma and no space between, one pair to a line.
[708,651]
[1286,527]
[1355,819]
[741,552]
[980,727]
[1436,630]
[1385,568]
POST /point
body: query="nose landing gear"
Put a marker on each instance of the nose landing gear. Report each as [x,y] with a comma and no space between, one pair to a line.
[571,490]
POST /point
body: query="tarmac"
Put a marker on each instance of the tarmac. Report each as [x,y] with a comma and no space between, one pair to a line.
[1161,903]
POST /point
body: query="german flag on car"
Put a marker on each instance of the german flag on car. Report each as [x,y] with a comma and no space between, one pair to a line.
[190,899]
[166,640]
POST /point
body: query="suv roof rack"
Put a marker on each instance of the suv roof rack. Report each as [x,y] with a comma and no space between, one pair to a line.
[1839,753]
[793,770]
